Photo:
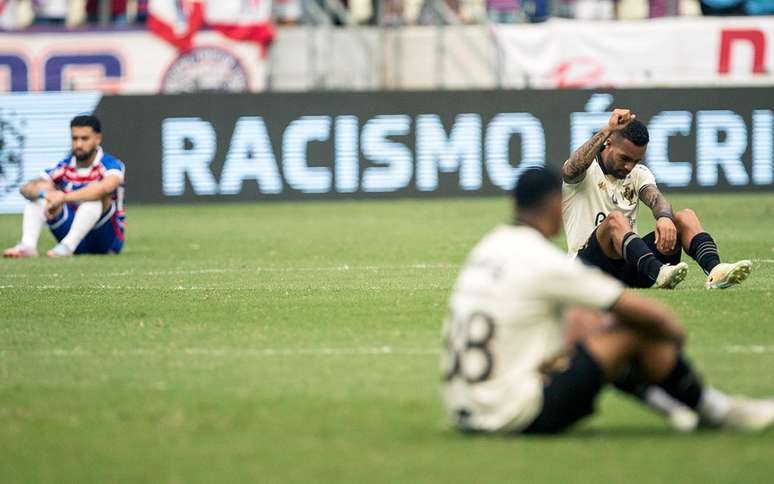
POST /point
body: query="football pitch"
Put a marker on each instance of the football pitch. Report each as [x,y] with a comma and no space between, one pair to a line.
[299,342]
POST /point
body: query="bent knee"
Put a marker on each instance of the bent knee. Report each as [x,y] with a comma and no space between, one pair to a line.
[686,213]
[686,218]
[616,222]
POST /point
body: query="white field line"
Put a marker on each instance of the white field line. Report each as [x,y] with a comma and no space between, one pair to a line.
[236,352]
[279,352]
[744,288]
[111,287]
[341,268]
[107,287]
[754,349]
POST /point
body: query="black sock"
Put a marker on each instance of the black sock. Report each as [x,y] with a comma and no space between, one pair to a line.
[683,383]
[704,251]
[637,253]
[631,382]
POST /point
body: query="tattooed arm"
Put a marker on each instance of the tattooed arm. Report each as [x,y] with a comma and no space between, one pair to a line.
[574,169]
[655,200]
[666,232]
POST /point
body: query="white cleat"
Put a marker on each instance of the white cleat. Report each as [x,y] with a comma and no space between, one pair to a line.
[683,419]
[748,415]
[60,250]
[670,276]
[726,274]
[19,251]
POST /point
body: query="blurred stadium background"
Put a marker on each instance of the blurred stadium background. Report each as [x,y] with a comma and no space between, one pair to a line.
[297,340]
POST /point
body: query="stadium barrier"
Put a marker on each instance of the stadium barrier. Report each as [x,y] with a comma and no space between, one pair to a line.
[668,52]
[199,148]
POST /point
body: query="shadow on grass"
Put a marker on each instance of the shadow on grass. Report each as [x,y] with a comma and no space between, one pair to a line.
[588,434]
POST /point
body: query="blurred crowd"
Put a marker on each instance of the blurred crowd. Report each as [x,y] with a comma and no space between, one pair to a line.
[23,14]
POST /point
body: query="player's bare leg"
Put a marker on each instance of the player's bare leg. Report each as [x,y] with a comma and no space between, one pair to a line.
[617,241]
[662,364]
[584,323]
[610,234]
[700,246]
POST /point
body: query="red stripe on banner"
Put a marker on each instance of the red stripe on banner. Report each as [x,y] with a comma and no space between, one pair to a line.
[166,32]
[262,33]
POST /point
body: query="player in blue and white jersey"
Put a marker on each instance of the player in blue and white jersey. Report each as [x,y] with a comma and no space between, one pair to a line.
[80,199]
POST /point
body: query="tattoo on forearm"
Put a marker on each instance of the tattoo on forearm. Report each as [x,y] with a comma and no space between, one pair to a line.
[653,198]
[574,168]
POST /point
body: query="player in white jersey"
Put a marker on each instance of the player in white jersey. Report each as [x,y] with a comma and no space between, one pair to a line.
[604,181]
[512,364]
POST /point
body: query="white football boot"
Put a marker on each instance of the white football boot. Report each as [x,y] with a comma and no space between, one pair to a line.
[748,415]
[727,274]
[60,250]
[670,276]
[19,251]
[683,419]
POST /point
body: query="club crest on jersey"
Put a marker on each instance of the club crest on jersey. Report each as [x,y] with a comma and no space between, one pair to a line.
[628,193]
[602,186]
[11,152]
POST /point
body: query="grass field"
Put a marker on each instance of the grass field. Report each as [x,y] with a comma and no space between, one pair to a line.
[299,343]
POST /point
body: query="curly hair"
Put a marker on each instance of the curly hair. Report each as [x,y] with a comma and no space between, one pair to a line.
[86,121]
[636,132]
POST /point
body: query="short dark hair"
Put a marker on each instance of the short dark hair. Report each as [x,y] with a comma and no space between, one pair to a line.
[636,132]
[534,185]
[86,120]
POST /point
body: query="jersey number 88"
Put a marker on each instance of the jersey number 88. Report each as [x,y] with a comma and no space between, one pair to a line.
[467,353]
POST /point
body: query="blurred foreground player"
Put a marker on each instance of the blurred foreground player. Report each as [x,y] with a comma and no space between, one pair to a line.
[604,181]
[511,363]
[81,199]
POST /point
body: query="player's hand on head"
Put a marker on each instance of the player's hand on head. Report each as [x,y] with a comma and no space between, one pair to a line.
[620,119]
[666,235]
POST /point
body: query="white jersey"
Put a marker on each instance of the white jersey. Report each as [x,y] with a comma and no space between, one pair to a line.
[587,203]
[505,320]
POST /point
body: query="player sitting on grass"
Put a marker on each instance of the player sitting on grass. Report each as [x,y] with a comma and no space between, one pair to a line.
[511,365]
[81,198]
[604,181]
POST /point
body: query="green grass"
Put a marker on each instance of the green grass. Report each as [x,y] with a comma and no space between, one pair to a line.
[246,343]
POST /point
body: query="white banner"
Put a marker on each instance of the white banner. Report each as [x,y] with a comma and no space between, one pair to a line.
[178,22]
[654,53]
[128,63]
[35,135]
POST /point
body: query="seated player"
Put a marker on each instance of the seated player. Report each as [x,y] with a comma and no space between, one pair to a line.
[81,199]
[604,182]
[511,365]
